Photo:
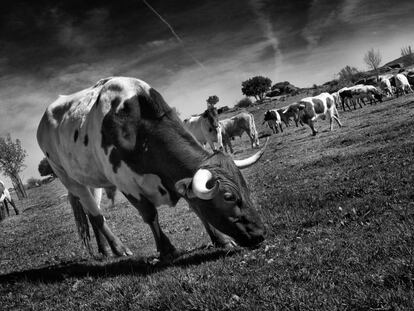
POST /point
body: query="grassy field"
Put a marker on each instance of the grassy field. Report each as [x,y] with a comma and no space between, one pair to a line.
[339,211]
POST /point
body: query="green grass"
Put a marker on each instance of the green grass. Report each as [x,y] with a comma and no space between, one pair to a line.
[339,211]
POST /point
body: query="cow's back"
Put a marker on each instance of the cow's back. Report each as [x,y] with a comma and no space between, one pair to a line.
[68,134]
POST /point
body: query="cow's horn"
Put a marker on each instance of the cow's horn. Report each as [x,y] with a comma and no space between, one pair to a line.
[200,179]
[251,160]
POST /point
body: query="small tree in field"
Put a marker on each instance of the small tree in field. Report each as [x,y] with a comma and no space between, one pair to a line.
[45,169]
[348,74]
[212,100]
[256,87]
[12,156]
[373,60]
[409,55]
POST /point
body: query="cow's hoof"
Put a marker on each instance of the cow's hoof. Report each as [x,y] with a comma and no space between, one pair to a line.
[121,251]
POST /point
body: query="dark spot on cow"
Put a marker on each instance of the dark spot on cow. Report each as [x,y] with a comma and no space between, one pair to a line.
[47,154]
[154,106]
[115,159]
[115,88]
[86,140]
[75,137]
[59,111]
[162,191]
[115,102]
[210,129]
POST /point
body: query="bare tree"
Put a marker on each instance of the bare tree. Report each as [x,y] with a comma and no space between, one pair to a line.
[408,54]
[373,60]
[12,156]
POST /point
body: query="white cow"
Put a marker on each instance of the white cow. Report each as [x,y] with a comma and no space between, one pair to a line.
[205,128]
[385,86]
[120,132]
[236,126]
[402,84]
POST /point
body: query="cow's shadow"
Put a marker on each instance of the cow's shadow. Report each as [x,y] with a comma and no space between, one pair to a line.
[123,266]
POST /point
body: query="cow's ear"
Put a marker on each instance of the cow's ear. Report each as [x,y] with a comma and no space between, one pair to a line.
[184,188]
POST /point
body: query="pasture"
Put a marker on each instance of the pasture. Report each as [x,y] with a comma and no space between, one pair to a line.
[339,212]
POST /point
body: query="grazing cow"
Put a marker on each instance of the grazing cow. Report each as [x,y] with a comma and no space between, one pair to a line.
[5,198]
[368,92]
[120,132]
[312,108]
[274,120]
[236,126]
[385,86]
[402,85]
[205,128]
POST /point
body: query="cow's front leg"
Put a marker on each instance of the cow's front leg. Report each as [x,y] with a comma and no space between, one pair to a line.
[150,216]
[311,124]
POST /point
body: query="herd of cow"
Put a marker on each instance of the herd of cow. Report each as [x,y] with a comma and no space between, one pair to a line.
[121,133]
[208,129]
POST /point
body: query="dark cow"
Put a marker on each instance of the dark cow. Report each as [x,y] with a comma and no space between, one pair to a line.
[122,133]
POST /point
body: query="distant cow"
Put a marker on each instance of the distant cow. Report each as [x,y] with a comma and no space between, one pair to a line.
[292,111]
[236,126]
[204,127]
[312,108]
[385,86]
[402,84]
[274,120]
[5,199]
[358,93]
[120,132]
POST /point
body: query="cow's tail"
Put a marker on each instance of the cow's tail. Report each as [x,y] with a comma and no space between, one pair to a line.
[81,220]
[253,130]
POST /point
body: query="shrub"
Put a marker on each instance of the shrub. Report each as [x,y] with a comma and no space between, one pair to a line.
[244,102]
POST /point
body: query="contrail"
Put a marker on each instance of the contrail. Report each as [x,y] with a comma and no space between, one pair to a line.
[175,35]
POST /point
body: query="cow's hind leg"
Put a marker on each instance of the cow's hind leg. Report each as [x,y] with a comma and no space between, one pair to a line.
[16,210]
[6,207]
[150,216]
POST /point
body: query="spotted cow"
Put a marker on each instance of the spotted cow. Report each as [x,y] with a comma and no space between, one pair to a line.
[120,132]
[274,120]
[309,109]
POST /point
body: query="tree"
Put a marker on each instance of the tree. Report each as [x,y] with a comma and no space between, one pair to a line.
[45,169]
[256,87]
[12,156]
[212,100]
[408,54]
[348,74]
[373,60]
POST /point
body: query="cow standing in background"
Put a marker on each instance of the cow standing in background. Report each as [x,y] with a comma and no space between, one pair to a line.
[274,120]
[120,132]
[402,84]
[5,199]
[292,111]
[312,108]
[236,126]
[385,85]
[205,128]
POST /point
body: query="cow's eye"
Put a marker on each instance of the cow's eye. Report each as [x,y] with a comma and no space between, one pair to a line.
[228,196]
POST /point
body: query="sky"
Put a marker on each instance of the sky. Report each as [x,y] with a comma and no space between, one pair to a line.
[207,48]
